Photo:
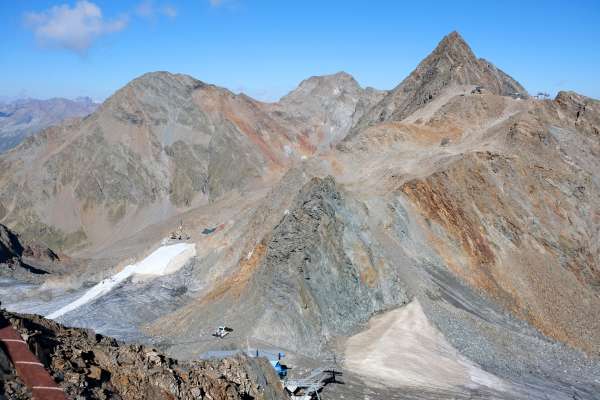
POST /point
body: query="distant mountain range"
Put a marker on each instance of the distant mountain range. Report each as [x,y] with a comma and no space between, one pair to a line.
[25,117]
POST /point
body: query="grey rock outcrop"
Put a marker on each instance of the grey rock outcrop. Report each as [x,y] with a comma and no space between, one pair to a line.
[316,276]
[10,246]
[327,106]
[18,257]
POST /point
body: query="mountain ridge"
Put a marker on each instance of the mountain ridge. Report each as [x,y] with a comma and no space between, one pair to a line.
[160,144]
[22,118]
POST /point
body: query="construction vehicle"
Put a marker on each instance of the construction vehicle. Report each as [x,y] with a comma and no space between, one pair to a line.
[222,331]
[180,233]
[478,90]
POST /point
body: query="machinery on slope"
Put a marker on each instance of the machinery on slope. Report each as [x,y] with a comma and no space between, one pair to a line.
[180,233]
[222,331]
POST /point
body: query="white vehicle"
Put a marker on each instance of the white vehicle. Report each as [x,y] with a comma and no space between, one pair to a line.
[222,331]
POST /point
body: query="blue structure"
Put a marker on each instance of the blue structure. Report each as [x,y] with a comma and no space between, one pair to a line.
[279,368]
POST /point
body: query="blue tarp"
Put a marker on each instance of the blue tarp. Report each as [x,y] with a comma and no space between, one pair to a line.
[280,369]
[208,231]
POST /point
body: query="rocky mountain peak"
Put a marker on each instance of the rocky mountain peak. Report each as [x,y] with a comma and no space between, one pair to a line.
[151,98]
[158,77]
[451,65]
[156,83]
[454,47]
[323,86]
[330,104]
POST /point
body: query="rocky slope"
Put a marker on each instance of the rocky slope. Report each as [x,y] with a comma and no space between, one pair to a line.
[20,119]
[313,277]
[92,366]
[25,260]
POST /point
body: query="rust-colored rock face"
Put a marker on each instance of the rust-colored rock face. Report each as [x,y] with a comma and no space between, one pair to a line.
[524,223]
[439,206]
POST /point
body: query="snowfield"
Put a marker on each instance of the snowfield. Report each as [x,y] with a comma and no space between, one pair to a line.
[164,260]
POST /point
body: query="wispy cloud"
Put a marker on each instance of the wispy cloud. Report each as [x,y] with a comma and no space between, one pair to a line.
[149,9]
[72,28]
[76,27]
[215,3]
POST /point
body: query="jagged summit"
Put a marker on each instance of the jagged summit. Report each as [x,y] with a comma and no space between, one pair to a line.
[322,85]
[161,83]
[453,44]
[451,64]
[155,76]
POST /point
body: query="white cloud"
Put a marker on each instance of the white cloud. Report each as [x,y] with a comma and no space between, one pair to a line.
[73,28]
[148,9]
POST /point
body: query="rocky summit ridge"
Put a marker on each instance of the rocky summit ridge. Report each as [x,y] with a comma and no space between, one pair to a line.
[452,63]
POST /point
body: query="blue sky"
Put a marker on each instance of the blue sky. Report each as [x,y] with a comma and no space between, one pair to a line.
[265,48]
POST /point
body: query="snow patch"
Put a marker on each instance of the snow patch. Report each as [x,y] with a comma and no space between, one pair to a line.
[164,260]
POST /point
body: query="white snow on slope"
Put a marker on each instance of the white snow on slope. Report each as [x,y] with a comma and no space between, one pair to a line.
[164,260]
